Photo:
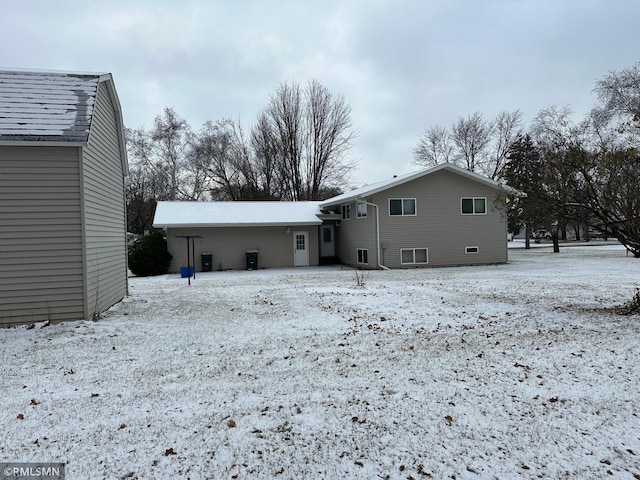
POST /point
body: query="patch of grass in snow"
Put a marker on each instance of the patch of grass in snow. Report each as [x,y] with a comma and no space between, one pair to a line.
[632,306]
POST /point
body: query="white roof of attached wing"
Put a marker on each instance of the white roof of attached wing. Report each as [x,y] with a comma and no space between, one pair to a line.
[236,214]
[363,192]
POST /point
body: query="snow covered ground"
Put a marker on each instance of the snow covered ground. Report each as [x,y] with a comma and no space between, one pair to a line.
[509,371]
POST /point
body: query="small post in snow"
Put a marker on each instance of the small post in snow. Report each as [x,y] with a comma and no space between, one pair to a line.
[191,238]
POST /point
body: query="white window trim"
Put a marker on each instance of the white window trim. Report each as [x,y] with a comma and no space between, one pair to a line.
[474,205]
[414,256]
[415,205]
[358,215]
[345,207]
[477,250]
[358,256]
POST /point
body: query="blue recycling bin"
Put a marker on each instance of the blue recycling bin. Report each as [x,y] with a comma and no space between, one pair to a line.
[186,272]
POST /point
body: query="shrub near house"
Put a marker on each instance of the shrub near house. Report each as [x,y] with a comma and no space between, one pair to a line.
[149,255]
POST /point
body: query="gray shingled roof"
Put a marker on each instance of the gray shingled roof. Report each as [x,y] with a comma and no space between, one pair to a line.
[46,106]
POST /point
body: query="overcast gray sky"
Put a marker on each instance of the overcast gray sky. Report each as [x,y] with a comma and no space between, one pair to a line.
[402,65]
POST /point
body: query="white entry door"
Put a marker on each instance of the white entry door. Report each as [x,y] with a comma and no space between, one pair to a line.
[300,249]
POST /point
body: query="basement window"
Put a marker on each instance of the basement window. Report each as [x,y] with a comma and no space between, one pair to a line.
[471,250]
[414,256]
[363,256]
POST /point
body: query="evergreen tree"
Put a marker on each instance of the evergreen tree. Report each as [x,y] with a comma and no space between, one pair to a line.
[524,170]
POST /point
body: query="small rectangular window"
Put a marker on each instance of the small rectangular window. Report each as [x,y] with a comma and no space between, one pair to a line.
[408,206]
[473,206]
[361,210]
[467,206]
[420,255]
[471,250]
[346,211]
[395,206]
[402,206]
[406,255]
[363,255]
[414,255]
[326,235]
[300,242]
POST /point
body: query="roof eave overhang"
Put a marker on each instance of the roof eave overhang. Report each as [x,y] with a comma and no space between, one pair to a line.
[443,166]
[41,143]
[330,216]
[373,191]
[230,225]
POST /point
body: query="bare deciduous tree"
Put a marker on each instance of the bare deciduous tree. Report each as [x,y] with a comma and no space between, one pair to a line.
[329,137]
[554,126]
[434,147]
[171,135]
[471,136]
[307,134]
[473,143]
[619,92]
[266,151]
[143,185]
[507,126]
[615,122]
[212,146]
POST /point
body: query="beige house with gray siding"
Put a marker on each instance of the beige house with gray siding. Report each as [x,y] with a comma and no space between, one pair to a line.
[62,202]
[438,216]
[282,234]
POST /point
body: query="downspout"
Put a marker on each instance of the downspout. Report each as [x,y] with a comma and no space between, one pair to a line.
[382,267]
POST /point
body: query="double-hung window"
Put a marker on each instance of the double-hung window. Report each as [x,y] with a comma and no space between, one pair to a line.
[402,206]
[473,206]
[361,210]
[346,211]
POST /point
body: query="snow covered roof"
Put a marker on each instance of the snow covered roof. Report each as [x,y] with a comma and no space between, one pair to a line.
[374,188]
[259,214]
[236,214]
[47,105]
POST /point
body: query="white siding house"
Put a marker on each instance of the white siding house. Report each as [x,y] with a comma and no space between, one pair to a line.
[62,203]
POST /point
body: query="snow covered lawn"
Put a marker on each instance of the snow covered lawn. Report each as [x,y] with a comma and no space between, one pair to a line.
[509,371]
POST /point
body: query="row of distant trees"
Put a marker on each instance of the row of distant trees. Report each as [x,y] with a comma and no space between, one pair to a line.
[297,149]
[581,173]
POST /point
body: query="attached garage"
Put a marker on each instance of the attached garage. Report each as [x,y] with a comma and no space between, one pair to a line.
[282,234]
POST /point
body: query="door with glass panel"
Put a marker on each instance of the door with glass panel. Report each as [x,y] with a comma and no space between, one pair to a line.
[300,249]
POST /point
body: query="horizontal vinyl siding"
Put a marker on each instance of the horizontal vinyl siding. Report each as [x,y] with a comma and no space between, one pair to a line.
[439,225]
[104,217]
[40,235]
[229,245]
[357,233]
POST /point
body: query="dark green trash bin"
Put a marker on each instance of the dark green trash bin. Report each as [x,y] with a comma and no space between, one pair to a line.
[207,262]
[252,259]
